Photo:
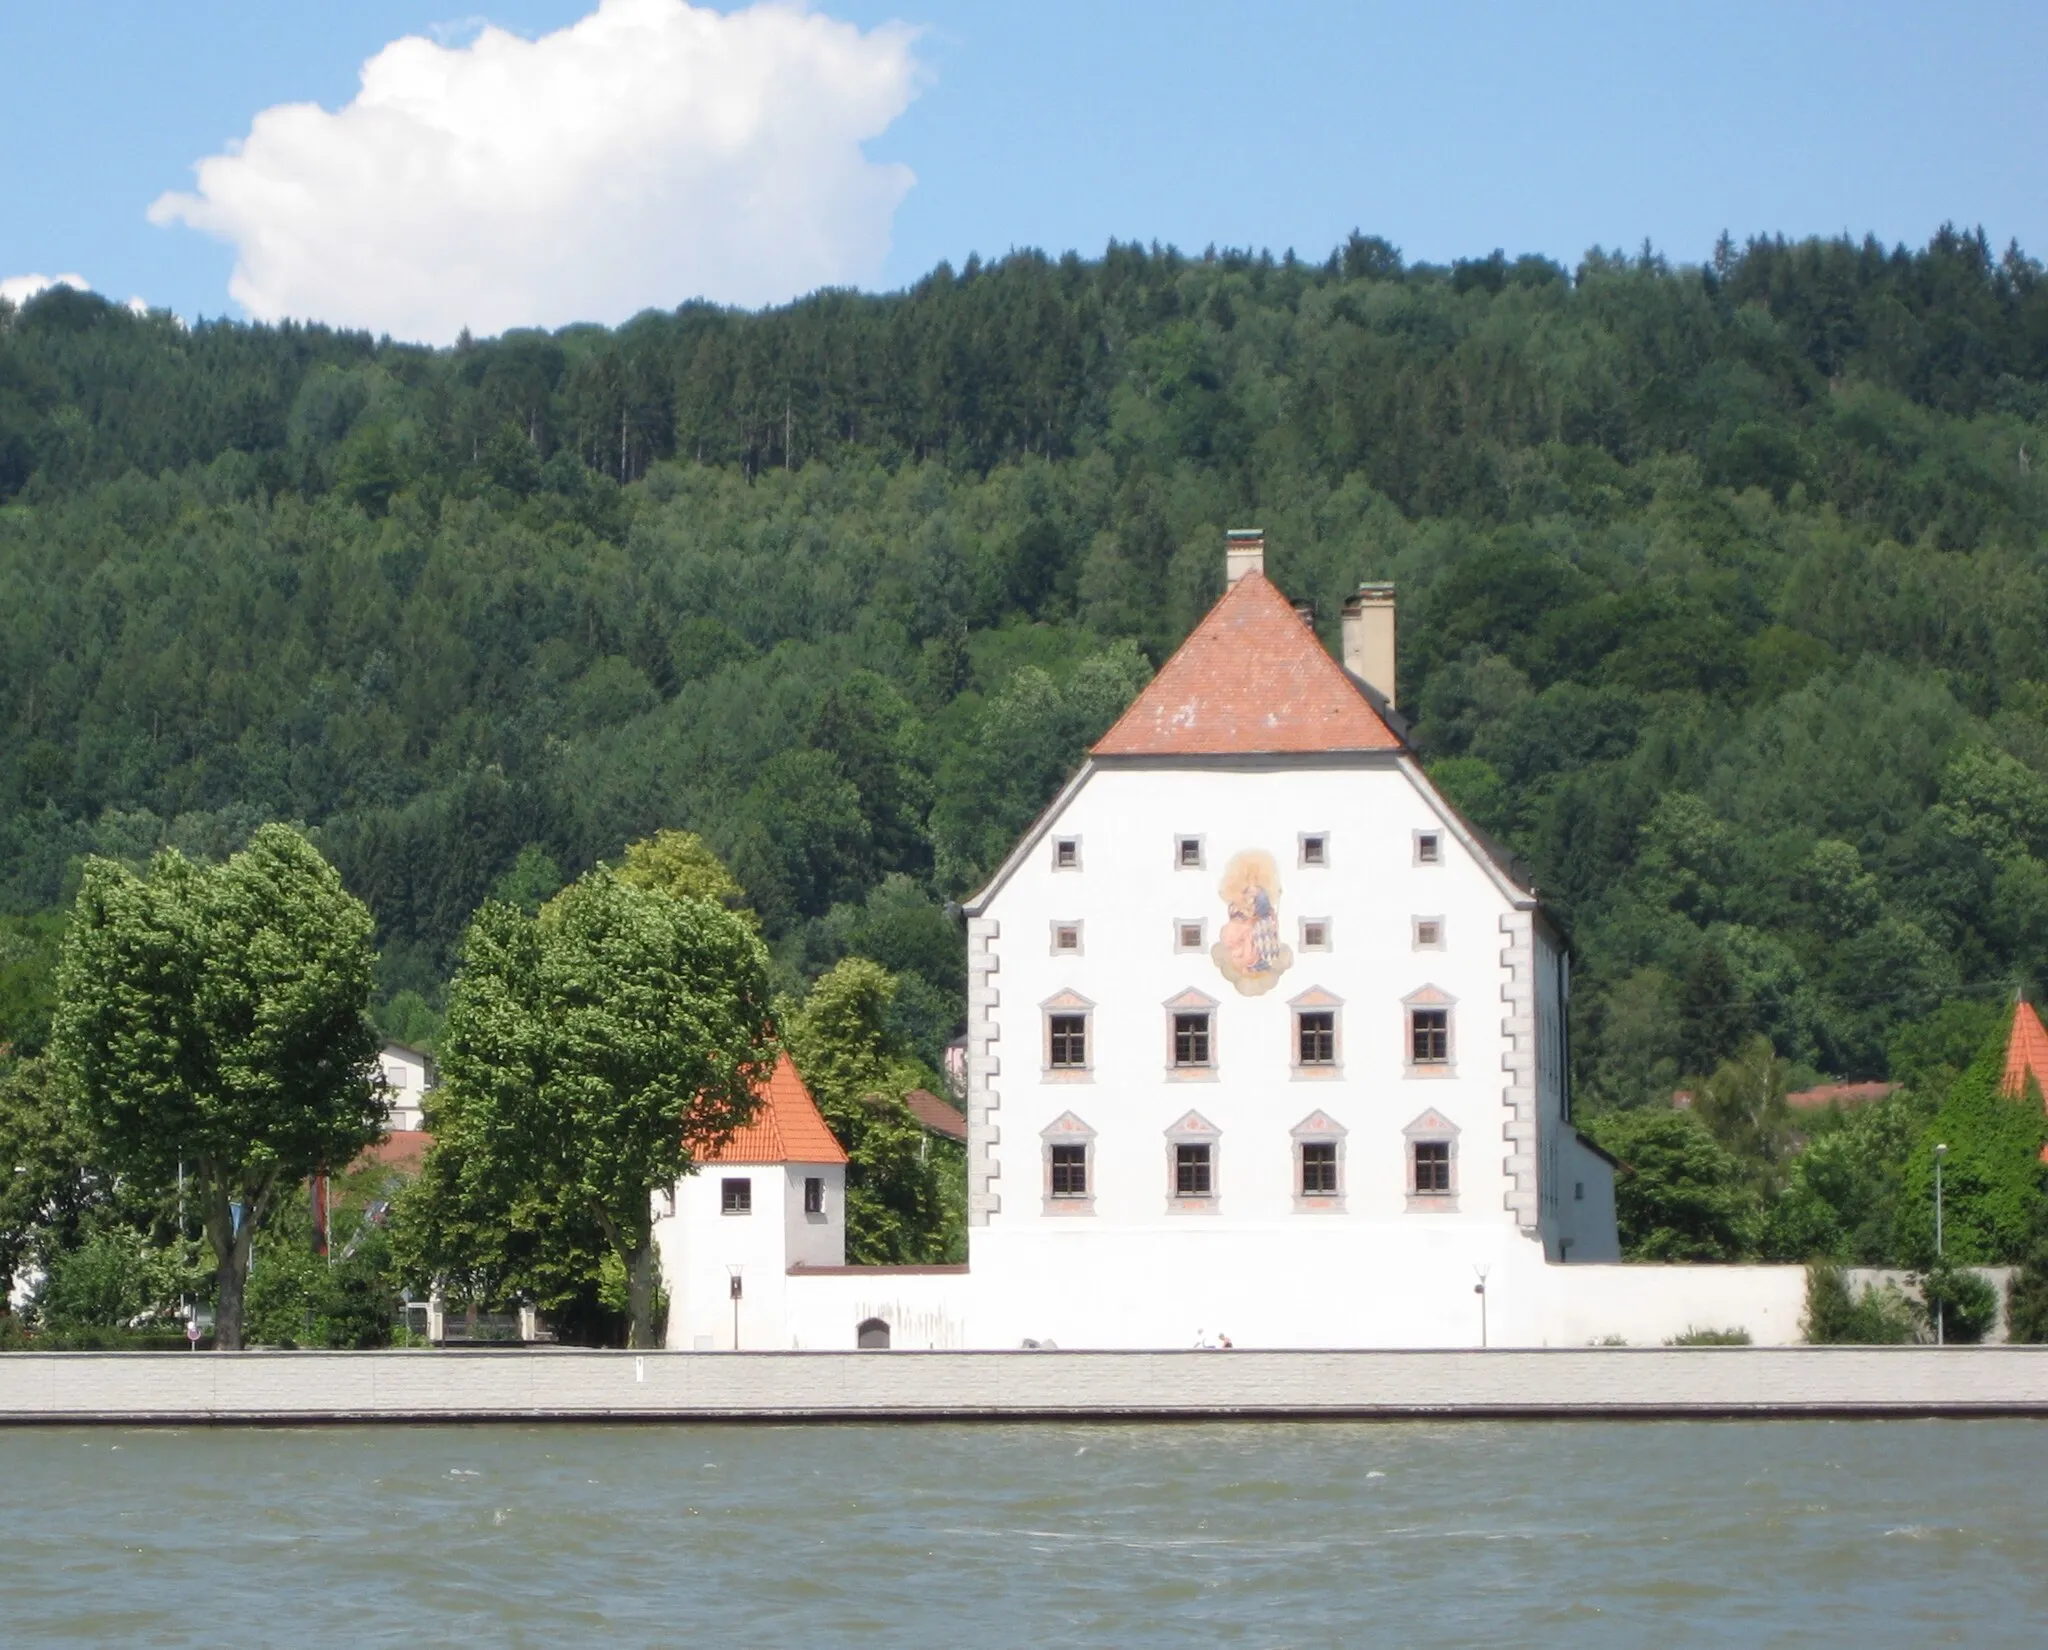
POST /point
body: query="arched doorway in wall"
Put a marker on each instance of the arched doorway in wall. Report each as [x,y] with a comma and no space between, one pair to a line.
[873,1336]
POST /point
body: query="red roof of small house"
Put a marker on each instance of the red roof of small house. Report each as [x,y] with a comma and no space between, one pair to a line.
[2026,1051]
[787,1127]
[935,1114]
[1838,1094]
[1251,679]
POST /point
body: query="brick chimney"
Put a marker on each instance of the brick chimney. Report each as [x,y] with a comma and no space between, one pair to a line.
[1369,638]
[1244,551]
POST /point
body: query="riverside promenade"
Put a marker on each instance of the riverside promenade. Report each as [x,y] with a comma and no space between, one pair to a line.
[289,1388]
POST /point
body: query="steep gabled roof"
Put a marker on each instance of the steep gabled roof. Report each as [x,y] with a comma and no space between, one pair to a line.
[1252,679]
[787,1128]
[2026,1051]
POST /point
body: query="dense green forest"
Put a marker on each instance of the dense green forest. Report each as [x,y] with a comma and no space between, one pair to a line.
[1724,601]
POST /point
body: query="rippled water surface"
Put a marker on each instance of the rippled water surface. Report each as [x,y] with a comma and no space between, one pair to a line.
[1589,1533]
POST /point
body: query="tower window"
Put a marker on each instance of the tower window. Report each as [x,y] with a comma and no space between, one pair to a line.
[814,1195]
[736,1197]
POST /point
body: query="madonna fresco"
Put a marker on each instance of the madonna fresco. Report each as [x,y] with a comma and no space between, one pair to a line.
[1249,950]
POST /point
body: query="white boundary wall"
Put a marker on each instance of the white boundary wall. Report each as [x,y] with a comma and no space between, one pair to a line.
[300,1387]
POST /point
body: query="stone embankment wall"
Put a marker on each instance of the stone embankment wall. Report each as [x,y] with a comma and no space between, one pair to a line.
[592,1386]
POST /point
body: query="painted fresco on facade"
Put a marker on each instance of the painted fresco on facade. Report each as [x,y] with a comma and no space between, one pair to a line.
[1248,950]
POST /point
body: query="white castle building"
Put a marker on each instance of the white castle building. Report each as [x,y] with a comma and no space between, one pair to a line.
[1265,1043]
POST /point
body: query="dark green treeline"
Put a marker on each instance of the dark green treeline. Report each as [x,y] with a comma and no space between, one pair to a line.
[1723,588]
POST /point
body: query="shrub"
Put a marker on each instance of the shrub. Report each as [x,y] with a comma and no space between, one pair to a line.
[2026,1298]
[1965,1301]
[1837,1316]
[1711,1337]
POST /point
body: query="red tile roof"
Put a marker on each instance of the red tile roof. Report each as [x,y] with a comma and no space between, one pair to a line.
[787,1127]
[934,1114]
[402,1149]
[2026,1051]
[1252,679]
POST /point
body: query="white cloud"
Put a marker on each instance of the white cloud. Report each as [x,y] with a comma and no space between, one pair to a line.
[651,153]
[18,289]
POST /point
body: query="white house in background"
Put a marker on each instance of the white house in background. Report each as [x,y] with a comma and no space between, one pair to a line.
[408,1075]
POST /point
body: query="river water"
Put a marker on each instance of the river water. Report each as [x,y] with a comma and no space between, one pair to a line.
[1586,1533]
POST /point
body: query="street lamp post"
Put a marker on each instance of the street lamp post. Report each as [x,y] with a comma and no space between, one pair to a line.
[735,1289]
[1479,1289]
[1940,1152]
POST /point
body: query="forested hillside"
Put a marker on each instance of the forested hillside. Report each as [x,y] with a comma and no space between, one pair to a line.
[1724,600]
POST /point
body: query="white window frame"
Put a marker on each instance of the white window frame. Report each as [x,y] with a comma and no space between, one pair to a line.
[1435,840]
[726,1183]
[1328,941]
[1181,840]
[1201,927]
[1060,842]
[1315,1000]
[1301,842]
[1431,1128]
[1053,946]
[1067,1130]
[1415,937]
[1318,1129]
[1193,1129]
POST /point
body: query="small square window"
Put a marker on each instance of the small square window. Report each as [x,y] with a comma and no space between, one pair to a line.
[1066,937]
[736,1197]
[814,1195]
[1188,936]
[1315,933]
[1319,1168]
[1191,1171]
[1191,1039]
[1069,1039]
[1432,1168]
[1429,933]
[1069,1171]
[1188,853]
[1429,1036]
[1429,848]
[1316,1030]
[1066,853]
[1315,849]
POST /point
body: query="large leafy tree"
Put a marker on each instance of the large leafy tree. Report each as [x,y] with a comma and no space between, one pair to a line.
[590,1052]
[1680,1194]
[211,1022]
[47,1183]
[904,1193]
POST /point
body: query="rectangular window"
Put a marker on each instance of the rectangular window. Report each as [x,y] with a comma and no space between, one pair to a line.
[1315,850]
[1066,853]
[1429,1035]
[1070,1171]
[736,1197]
[1428,848]
[1191,1039]
[1317,1032]
[1429,933]
[1066,936]
[1315,933]
[1187,936]
[1069,1041]
[1432,1168]
[814,1195]
[1189,849]
[1319,1168]
[1191,1171]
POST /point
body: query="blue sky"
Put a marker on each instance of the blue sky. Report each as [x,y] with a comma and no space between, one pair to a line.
[1448,128]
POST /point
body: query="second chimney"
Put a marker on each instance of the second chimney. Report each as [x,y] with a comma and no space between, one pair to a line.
[1369,638]
[1244,551]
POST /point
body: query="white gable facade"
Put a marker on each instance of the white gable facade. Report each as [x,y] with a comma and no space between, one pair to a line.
[1265,1044]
